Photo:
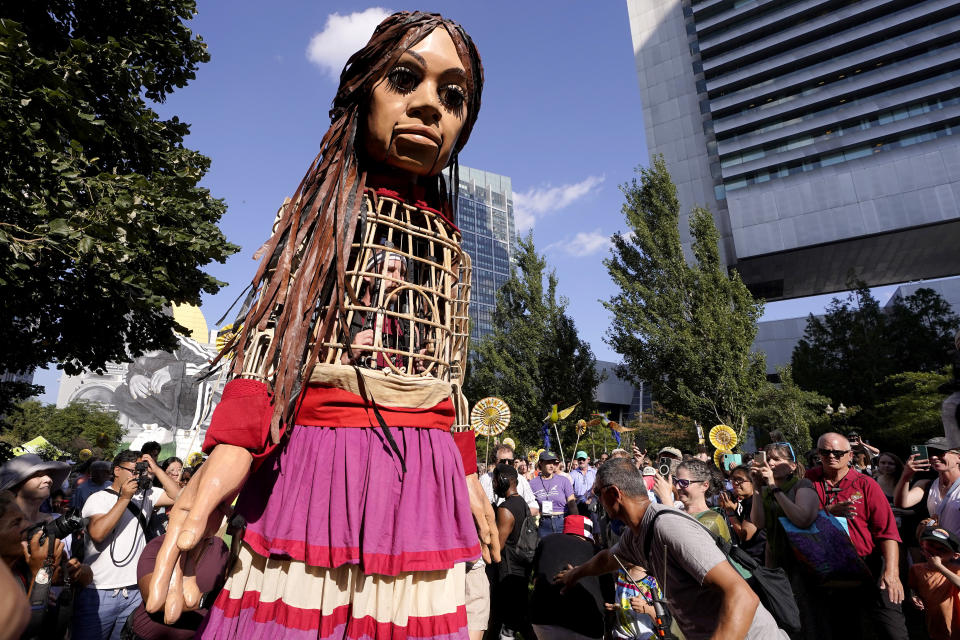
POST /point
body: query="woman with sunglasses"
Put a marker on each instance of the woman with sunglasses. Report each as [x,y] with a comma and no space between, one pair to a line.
[694,483]
[737,507]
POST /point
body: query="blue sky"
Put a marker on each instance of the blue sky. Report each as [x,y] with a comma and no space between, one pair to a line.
[561,116]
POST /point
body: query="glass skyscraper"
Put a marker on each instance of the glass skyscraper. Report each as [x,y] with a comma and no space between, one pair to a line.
[485,216]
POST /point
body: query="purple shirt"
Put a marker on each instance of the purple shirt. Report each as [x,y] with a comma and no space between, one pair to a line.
[555,490]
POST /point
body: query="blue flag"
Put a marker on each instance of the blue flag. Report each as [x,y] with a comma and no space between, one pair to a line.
[546,436]
[616,435]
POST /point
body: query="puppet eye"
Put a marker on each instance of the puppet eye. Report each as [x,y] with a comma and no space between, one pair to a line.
[453,97]
[403,79]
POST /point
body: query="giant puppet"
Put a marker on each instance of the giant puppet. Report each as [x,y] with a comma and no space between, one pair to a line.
[346,373]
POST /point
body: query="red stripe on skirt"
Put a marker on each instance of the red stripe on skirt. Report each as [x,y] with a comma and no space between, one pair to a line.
[292,617]
[378,563]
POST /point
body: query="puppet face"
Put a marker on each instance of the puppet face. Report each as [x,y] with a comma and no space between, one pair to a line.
[418,110]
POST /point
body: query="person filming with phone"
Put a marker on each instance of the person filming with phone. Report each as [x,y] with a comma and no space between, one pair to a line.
[943,498]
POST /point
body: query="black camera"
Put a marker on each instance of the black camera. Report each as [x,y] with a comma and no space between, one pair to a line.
[59,528]
[141,471]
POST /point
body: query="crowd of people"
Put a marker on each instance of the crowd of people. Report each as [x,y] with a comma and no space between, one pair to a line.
[852,531]
[581,555]
[77,540]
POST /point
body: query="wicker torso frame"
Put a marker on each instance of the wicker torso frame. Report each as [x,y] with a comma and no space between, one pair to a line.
[419,317]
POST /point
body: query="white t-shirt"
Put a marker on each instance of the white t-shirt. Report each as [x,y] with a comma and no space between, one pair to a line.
[114,561]
[947,508]
[523,488]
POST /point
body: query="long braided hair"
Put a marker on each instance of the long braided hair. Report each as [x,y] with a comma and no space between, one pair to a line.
[299,287]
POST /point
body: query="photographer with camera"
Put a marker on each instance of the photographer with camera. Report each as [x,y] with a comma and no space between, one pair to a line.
[31,479]
[119,530]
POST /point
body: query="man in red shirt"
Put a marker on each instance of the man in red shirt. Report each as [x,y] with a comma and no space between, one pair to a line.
[846,493]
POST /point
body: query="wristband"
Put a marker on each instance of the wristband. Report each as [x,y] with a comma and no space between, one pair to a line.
[776,490]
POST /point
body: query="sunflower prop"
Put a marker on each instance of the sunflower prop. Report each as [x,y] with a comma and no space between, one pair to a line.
[718,457]
[225,337]
[490,416]
[723,437]
[581,427]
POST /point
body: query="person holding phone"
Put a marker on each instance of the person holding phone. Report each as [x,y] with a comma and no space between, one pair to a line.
[738,505]
[943,499]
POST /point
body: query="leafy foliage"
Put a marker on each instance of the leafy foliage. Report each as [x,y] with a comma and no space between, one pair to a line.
[79,425]
[661,428]
[687,328]
[848,353]
[910,412]
[534,358]
[102,221]
[787,408]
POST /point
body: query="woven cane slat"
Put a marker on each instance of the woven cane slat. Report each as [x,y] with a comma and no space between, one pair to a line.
[404,273]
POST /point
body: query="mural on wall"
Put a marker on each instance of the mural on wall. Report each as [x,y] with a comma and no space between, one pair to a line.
[168,389]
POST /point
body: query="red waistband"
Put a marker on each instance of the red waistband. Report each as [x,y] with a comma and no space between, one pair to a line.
[331,407]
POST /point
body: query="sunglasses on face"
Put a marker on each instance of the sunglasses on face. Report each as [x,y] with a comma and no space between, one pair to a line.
[830,452]
[739,481]
[505,461]
[683,484]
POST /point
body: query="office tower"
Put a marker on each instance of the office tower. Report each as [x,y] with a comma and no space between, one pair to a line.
[485,216]
[821,134]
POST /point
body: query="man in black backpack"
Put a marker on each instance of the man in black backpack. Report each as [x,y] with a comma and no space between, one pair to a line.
[518,541]
[706,595]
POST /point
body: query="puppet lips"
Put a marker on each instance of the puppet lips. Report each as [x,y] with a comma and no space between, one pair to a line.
[420,135]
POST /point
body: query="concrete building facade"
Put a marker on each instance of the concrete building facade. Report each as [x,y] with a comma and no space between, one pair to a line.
[822,134]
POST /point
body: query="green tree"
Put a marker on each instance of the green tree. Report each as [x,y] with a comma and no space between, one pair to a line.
[661,428]
[850,351]
[685,327]
[102,221]
[534,358]
[787,408]
[910,413]
[79,425]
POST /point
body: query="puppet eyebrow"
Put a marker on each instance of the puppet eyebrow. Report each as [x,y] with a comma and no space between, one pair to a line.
[455,71]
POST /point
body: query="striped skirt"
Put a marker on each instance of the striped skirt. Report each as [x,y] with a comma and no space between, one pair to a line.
[340,543]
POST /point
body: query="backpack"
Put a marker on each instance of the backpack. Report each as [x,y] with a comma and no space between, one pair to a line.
[771,585]
[526,546]
[517,559]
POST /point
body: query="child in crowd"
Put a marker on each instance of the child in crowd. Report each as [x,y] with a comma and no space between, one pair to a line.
[633,606]
[936,583]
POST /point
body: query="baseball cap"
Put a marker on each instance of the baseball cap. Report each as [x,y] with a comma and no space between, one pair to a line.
[548,456]
[935,534]
[940,443]
[578,525]
[673,451]
[581,454]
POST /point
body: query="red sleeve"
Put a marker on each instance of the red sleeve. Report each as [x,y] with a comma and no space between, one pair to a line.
[882,523]
[466,442]
[242,418]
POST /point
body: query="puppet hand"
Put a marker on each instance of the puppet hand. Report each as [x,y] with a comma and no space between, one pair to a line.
[485,519]
[194,516]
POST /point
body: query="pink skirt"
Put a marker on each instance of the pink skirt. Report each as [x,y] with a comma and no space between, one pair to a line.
[340,543]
